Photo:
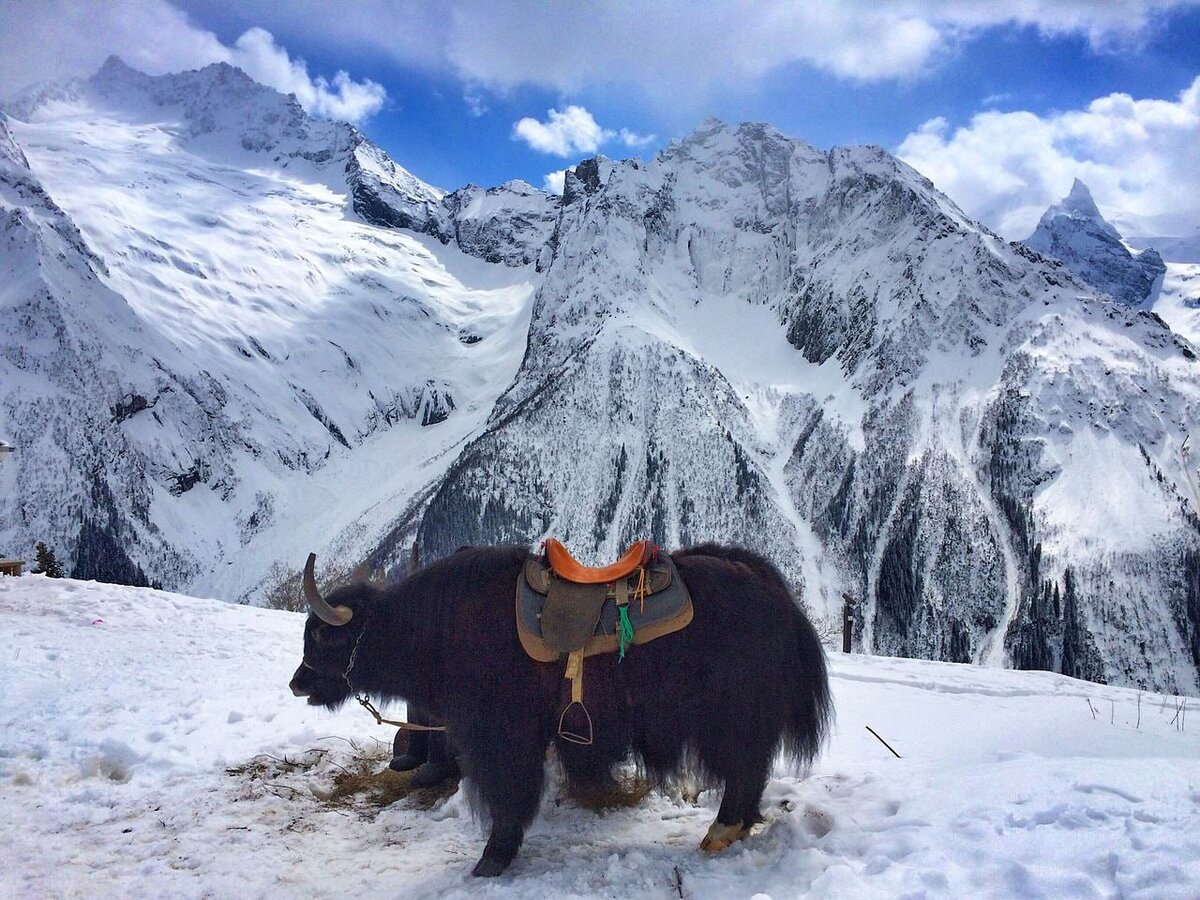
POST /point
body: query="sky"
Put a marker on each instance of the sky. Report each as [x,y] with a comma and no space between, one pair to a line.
[1001,103]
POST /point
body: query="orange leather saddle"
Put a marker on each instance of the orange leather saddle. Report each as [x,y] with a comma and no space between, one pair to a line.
[568,568]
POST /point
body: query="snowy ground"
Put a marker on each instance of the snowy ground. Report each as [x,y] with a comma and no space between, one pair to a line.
[149,747]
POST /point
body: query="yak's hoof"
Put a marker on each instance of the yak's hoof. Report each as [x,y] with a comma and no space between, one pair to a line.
[488,867]
[405,762]
[431,774]
[721,836]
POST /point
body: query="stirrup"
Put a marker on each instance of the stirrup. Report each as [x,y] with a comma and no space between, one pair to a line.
[584,740]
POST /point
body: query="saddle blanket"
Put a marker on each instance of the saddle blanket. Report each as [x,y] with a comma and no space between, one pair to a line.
[556,617]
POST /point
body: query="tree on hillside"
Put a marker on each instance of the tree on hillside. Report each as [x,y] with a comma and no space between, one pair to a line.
[47,562]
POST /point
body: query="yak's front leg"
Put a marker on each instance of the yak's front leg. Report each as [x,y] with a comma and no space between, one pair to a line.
[506,760]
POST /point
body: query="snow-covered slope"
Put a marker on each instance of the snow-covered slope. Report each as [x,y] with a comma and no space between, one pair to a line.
[1075,232]
[197,774]
[1178,300]
[214,355]
[818,354]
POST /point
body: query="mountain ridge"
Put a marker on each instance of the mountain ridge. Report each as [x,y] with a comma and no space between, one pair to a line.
[745,338]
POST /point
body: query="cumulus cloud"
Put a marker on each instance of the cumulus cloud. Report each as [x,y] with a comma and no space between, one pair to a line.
[1140,158]
[265,61]
[54,40]
[567,132]
[573,132]
[554,182]
[633,140]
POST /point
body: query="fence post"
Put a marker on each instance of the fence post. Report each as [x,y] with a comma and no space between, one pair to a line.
[847,621]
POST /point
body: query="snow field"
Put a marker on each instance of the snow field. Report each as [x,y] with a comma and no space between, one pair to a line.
[149,747]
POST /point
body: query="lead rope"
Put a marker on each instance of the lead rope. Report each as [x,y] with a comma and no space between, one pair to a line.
[369,706]
[405,726]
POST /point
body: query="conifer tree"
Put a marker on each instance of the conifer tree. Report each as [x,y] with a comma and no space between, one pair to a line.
[47,562]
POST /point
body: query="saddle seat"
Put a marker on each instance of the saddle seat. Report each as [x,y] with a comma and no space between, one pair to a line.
[568,568]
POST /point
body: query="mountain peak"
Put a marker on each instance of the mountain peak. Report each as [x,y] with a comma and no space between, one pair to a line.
[1080,202]
[114,65]
[1074,231]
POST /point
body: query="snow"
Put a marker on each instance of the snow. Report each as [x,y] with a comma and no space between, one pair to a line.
[149,747]
[1178,300]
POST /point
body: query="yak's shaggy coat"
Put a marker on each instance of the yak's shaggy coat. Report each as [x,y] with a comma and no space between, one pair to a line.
[745,680]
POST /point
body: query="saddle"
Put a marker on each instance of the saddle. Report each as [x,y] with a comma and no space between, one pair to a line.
[566,608]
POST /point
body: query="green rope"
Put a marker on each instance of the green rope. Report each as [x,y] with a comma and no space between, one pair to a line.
[625,629]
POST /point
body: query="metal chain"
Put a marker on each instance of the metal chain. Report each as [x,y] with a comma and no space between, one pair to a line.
[353,657]
[366,703]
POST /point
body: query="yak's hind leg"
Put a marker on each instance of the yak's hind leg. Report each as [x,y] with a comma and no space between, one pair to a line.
[741,756]
[739,805]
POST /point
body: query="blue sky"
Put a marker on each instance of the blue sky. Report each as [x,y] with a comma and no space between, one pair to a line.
[1002,103]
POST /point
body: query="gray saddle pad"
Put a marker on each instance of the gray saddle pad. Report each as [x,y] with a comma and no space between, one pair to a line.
[564,616]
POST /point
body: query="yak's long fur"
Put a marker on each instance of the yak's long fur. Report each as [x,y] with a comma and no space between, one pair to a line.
[743,681]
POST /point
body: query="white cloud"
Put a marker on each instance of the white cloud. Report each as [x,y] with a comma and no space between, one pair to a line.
[674,55]
[569,132]
[476,101]
[553,183]
[671,51]
[1138,157]
[53,40]
[633,140]
[573,132]
[265,61]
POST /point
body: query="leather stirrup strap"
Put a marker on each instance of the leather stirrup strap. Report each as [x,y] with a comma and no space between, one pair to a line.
[574,673]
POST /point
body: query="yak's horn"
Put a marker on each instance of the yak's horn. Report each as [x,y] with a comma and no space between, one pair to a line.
[331,615]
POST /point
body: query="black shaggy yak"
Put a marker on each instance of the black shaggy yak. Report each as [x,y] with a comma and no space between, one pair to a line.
[743,681]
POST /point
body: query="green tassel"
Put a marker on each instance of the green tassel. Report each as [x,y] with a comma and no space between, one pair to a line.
[625,629]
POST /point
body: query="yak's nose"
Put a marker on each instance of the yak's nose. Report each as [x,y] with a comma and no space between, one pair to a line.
[294,684]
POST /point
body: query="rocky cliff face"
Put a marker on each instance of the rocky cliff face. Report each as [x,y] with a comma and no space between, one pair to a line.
[1075,232]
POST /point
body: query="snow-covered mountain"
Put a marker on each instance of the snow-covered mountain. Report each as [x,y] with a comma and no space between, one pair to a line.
[207,331]
[1137,264]
[288,342]
[819,355]
[1075,232]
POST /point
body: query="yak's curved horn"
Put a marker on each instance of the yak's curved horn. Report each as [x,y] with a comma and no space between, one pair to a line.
[331,615]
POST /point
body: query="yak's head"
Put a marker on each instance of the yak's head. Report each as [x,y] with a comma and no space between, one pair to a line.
[331,634]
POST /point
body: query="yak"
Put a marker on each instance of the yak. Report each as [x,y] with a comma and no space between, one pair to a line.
[717,700]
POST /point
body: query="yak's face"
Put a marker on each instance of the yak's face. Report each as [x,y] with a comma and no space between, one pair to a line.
[321,676]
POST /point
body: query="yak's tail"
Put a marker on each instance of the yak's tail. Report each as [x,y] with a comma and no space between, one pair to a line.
[807,706]
[810,703]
